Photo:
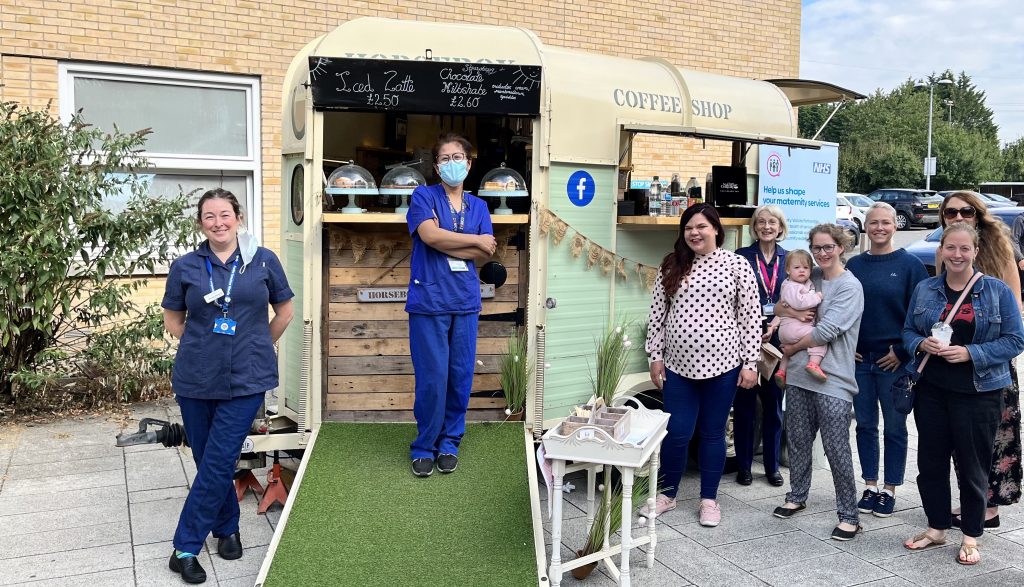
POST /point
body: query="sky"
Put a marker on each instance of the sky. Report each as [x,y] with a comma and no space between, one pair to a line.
[865,45]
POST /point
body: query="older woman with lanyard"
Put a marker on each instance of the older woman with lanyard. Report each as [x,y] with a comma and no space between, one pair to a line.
[767,227]
[451,231]
[215,303]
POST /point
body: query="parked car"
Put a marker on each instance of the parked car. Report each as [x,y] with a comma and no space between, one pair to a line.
[913,207]
[991,200]
[857,210]
[852,229]
[925,249]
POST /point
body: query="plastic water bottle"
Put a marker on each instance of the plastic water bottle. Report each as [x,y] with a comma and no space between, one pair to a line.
[654,197]
[666,203]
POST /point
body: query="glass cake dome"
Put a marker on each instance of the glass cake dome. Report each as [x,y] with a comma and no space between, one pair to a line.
[351,180]
[401,181]
[504,182]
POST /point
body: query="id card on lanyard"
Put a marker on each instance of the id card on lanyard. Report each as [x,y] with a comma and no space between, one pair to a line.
[458,225]
[222,325]
[769,284]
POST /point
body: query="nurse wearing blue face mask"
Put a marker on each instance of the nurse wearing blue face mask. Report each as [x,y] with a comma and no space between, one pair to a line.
[451,232]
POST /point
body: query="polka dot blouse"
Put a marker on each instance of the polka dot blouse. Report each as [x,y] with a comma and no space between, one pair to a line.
[712,324]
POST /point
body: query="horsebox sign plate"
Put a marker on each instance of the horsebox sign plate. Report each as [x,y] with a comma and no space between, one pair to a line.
[400,294]
[429,87]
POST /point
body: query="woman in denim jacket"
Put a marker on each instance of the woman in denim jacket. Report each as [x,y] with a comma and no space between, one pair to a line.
[959,398]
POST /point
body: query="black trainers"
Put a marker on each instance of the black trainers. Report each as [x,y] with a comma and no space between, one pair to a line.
[867,502]
[885,505]
[446,462]
[422,467]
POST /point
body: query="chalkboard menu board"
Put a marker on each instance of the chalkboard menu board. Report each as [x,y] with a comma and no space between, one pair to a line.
[431,87]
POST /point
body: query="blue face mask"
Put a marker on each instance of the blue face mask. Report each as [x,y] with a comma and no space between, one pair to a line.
[454,173]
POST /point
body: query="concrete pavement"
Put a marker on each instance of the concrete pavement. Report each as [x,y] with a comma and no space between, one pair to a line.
[76,510]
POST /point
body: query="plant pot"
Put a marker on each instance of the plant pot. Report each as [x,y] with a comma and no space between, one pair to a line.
[581,573]
[516,416]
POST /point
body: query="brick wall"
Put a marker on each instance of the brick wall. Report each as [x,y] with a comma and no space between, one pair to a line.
[743,38]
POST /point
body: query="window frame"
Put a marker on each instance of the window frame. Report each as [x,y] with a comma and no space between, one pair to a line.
[172,163]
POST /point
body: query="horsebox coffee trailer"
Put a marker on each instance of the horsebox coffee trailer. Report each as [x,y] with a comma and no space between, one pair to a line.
[553,130]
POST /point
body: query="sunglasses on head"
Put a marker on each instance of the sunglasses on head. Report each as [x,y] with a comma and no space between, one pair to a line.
[965,212]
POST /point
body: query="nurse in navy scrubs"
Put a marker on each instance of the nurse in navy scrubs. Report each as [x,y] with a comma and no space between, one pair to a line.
[215,303]
[451,232]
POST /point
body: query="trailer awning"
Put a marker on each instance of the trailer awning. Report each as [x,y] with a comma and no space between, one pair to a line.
[722,135]
[805,92]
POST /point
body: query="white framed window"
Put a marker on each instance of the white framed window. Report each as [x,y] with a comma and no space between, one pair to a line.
[205,127]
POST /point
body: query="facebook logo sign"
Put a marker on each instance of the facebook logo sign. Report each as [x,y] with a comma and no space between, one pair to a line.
[580,188]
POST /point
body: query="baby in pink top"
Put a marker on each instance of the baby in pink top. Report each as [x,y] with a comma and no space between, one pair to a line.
[798,292]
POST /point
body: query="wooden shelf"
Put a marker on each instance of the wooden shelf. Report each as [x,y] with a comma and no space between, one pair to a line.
[392,218]
[670,222]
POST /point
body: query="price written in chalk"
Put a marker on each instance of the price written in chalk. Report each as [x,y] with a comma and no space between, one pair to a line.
[464,102]
[382,100]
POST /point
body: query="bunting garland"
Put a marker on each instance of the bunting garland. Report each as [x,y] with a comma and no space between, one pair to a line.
[551,225]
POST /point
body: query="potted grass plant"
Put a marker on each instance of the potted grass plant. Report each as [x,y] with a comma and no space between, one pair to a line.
[515,376]
[612,507]
[612,355]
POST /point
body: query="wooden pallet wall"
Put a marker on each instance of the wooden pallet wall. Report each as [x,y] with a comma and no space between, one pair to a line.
[369,374]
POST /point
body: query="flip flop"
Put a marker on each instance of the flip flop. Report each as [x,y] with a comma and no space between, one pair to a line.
[924,536]
[968,550]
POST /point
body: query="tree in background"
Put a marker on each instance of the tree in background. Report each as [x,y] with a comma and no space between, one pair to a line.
[68,323]
[1013,161]
[883,139]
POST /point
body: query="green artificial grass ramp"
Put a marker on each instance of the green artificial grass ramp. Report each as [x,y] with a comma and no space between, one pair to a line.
[361,518]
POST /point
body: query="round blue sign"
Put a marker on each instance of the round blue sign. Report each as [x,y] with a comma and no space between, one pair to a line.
[580,188]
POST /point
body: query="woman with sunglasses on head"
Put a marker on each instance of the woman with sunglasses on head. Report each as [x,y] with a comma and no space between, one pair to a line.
[812,404]
[704,339]
[959,396]
[995,258]
[451,232]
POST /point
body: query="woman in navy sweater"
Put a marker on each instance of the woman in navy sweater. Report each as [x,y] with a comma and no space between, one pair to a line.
[889,276]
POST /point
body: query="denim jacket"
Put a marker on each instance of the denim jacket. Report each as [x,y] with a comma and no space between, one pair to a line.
[998,330]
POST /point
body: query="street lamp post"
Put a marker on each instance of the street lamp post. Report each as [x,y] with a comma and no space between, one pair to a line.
[931,107]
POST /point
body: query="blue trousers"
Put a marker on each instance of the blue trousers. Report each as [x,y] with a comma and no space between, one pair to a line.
[443,352]
[875,388]
[743,419]
[215,431]
[701,404]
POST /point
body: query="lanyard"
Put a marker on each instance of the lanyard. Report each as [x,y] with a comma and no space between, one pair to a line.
[769,286]
[458,218]
[231,283]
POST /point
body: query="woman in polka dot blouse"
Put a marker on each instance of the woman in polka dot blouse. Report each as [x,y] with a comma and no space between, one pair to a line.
[704,339]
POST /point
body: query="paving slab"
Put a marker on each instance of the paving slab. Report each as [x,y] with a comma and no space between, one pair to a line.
[180,492]
[152,550]
[702,567]
[66,564]
[64,519]
[893,581]
[739,523]
[1004,577]
[155,521]
[62,483]
[938,565]
[24,504]
[829,571]
[113,578]
[56,541]
[154,470]
[773,551]
[249,564]
[59,468]
[30,455]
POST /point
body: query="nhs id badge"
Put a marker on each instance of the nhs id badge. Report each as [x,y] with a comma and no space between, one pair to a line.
[768,309]
[457,264]
[224,326]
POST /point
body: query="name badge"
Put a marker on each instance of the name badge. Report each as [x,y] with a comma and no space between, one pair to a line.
[457,264]
[224,326]
[768,309]
[214,295]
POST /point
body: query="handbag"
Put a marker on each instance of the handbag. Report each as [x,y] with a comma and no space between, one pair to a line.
[903,388]
[768,361]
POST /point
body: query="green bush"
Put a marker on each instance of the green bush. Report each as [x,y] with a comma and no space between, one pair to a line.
[65,322]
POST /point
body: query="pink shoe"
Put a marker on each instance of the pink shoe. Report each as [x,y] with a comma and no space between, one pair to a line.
[780,378]
[662,504]
[816,372]
[710,513]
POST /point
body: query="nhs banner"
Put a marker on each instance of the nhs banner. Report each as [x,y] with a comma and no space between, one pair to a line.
[803,183]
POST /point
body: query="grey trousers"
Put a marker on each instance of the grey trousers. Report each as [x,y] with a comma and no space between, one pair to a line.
[806,413]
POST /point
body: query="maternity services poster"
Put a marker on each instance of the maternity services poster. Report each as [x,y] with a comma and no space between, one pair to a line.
[803,183]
